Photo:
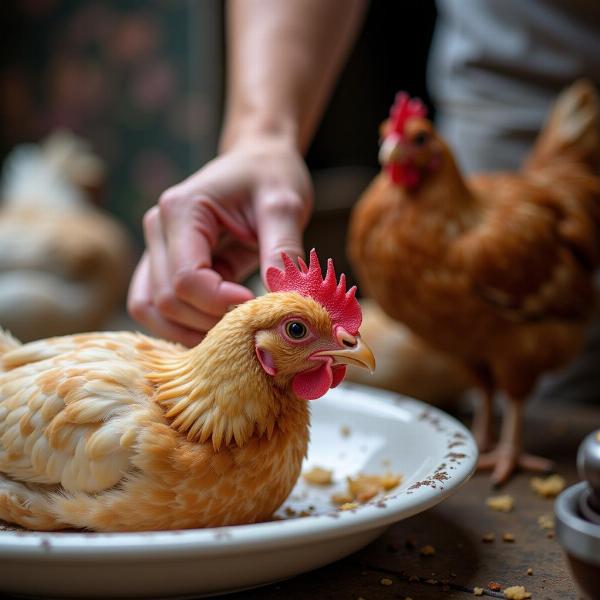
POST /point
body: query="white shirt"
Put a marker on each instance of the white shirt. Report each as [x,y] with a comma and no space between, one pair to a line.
[496,66]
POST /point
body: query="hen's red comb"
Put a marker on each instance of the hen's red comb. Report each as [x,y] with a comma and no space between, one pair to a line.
[404,108]
[342,305]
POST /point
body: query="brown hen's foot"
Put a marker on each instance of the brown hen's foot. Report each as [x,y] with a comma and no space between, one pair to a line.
[504,461]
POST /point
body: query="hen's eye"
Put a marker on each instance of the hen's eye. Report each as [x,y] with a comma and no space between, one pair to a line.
[420,138]
[296,330]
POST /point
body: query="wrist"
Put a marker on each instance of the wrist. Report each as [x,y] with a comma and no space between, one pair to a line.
[251,128]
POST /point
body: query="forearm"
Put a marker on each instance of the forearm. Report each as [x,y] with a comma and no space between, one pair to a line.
[283,59]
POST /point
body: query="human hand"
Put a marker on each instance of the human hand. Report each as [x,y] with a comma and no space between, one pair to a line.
[208,232]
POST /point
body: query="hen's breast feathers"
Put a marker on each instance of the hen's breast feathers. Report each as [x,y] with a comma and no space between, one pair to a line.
[70,409]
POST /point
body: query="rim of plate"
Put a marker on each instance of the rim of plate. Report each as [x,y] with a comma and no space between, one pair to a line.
[228,540]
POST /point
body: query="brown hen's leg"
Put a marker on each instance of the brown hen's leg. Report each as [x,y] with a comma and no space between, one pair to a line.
[508,455]
[482,420]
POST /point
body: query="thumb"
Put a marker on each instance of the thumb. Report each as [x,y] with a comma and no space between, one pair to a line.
[281,218]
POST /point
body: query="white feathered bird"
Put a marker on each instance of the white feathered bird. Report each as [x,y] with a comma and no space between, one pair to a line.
[64,263]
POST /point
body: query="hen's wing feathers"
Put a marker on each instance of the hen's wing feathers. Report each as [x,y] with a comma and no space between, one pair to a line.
[531,255]
[69,416]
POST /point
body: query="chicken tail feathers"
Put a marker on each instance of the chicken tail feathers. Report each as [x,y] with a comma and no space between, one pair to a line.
[7,341]
[572,130]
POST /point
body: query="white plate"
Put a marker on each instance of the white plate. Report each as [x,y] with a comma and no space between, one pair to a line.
[434,452]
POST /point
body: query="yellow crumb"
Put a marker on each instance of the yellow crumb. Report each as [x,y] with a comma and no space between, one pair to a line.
[508,537]
[529,571]
[363,488]
[386,581]
[345,431]
[349,506]
[390,481]
[341,498]
[546,522]
[488,537]
[478,591]
[427,550]
[548,487]
[504,503]
[319,476]
[516,592]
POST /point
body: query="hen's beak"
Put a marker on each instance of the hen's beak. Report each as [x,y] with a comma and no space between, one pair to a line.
[391,150]
[356,352]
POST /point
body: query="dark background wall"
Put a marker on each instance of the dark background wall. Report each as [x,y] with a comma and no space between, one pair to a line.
[142,80]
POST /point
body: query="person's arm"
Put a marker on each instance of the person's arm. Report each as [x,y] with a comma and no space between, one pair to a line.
[254,200]
[284,58]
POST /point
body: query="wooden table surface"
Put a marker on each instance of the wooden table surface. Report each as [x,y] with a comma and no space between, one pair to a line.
[462,560]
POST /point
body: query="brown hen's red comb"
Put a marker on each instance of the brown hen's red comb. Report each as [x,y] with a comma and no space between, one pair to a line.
[405,108]
[342,305]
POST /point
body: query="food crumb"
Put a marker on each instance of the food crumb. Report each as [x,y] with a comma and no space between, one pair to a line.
[529,571]
[390,481]
[546,521]
[427,550]
[516,592]
[345,431]
[488,537]
[548,487]
[342,498]
[494,586]
[477,591]
[363,487]
[319,476]
[508,537]
[386,581]
[504,503]
[349,506]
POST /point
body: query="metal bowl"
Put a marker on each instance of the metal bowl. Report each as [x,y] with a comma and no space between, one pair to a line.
[579,538]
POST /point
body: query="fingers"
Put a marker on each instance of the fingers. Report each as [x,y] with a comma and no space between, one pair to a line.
[165,290]
[142,309]
[192,232]
[280,223]
[235,260]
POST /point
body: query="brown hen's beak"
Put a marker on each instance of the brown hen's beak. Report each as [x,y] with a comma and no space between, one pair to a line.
[358,354]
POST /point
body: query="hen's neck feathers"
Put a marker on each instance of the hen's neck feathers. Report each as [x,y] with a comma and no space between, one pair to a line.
[217,391]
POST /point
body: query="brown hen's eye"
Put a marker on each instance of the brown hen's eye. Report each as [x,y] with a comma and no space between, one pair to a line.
[420,138]
[296,330]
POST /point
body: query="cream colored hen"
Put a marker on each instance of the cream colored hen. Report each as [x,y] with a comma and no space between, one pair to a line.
[64,263]
[120,431]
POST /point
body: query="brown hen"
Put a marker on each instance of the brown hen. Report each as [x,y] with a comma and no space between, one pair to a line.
[496,269]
